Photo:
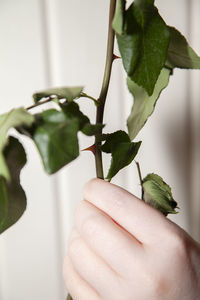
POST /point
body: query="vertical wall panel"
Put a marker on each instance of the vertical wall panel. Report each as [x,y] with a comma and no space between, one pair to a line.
[29,250]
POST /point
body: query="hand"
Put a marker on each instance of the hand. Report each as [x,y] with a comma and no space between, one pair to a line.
[123,249]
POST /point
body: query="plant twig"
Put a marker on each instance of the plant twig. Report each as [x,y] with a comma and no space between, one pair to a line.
[49,99]
[90,97]
[103,94]
[140,177]
[104,89]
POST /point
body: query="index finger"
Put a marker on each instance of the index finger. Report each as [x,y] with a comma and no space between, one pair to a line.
[141,220]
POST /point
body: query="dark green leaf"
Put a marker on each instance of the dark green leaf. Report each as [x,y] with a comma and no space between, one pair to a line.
[57,144]
[12,196]
[144,4]
[51,116]
[92,129]
[143,44]
[144,104]
[71,110]
[180,54]
[13,118]
[129,43]
[68,93]
[123,151]
[118,20]
[55,136]
[122,156]
[113,139]
[158,194]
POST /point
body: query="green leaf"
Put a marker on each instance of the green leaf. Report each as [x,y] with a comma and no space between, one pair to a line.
[112,140]
[92,129]
[180,54]
[123,151]
[3,167]
[158,194]
[55,136]
[144,104]
[144,44]
[122,156]
[71,110]
[12,196]
[13,118]
[118,20]
[68,93]
[144,4]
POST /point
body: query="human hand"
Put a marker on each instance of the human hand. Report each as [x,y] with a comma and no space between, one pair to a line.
[122,249]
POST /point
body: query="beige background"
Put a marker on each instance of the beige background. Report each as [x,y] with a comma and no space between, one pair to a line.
[62,42]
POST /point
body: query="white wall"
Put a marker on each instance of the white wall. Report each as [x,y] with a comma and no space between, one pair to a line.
[59,42]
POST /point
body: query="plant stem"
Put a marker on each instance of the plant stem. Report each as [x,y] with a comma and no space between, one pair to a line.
[49,99]
[104,90]
[103,94]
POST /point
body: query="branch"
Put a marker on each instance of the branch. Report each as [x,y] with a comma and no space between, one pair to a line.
[49,99]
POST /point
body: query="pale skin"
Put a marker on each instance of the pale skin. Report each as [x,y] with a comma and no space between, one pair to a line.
[122,249]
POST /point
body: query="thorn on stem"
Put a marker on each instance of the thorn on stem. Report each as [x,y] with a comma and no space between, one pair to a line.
[115,57]
[91,148]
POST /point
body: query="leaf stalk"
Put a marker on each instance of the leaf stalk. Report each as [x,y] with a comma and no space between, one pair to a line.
[140,177]
[90,97]
[49,99]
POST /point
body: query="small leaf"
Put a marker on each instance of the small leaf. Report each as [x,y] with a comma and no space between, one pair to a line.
[144,104]
[118,20]
[68,93]
[113,139]
[144,44]
[13,118]
[122,156]
[144,3]
[123,151]
[92,129]
[71,110]
[12,196]
[180,54]
[158,194]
